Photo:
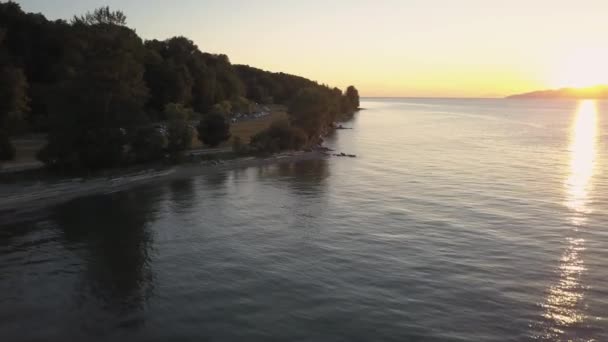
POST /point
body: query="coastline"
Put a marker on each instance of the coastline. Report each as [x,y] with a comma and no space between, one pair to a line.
[18,199]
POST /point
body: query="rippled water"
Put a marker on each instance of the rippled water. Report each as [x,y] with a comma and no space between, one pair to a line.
[460,220]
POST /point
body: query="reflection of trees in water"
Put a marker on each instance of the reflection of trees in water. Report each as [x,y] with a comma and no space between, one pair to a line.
[239,172]
[306,175]
[15,229]
[216,180]
[302,177]
[334,135]
[110,231]
[183,194]
[306,182]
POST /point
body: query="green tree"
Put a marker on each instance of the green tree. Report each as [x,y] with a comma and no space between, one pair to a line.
[242,105]
[179,136]
[179,132]
[238,146]
[280,136]
[157,78]
[177,71]
[37,47]
[203,82]
[309,111]
[14,100]
[148,144]
[93,84]
[13,97]
[228,84]
[101,16]
[224,108]
[213,129]
[7,150]
[13,106]
[100,101]
[177,111]
[352,94]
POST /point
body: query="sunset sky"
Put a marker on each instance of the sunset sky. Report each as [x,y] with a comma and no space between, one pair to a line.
[469,48]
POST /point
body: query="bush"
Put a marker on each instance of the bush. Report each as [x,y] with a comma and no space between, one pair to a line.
[239,147]
[7,150]
[224,108]
[179,132]
[148,145]
[179,136]
[213,129]
[177,111]
[309,110]
[242,105]
[280,136]
[103,148]
[86,150]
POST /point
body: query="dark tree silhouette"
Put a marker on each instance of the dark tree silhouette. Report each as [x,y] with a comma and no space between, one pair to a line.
[148,144]
[213,129]
[101,16]
[352,94]
[13,97]
[179,132]
[280,136]
[95,87]
[101,100]
[309,110]
[7,150]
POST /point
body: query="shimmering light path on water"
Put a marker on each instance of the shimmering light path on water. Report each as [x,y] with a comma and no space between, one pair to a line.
[563,308]
[460,220]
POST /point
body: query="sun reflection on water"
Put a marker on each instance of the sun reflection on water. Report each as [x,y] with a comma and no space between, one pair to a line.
[562,304]
[582,159]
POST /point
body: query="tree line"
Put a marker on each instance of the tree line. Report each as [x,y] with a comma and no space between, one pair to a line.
[97,90]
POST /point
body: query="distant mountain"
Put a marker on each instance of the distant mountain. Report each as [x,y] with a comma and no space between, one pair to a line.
[595,92]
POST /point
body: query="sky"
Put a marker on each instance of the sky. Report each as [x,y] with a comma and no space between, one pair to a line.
[427,48]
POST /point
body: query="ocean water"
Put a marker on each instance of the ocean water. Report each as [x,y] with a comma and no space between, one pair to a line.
[460,220]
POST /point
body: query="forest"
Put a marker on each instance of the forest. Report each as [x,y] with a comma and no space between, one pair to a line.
[97,90]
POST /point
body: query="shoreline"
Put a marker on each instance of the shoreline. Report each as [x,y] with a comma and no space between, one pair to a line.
[18,199]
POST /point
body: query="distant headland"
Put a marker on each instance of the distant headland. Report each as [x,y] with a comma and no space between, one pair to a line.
[595,92]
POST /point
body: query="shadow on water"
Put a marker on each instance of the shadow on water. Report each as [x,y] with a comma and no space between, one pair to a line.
[302,177]
[216,179]
[13,229]
[110,235]
[306,182]
[183,193]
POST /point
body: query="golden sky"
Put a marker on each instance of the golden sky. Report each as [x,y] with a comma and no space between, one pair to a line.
[468,48]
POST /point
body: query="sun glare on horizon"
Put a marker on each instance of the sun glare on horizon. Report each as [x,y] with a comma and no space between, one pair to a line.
[582,68]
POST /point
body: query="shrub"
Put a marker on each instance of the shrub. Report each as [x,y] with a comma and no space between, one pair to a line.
[88,150]
[148,144]
[177,111]
[238,146]
[213,129]
[242,105]
[179,136]
[280,136]
[224,108]
[7,150]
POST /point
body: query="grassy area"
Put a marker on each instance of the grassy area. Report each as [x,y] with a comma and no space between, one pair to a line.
[246,129]
[27,147]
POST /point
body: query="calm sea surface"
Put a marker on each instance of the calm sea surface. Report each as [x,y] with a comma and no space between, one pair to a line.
[460,220]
